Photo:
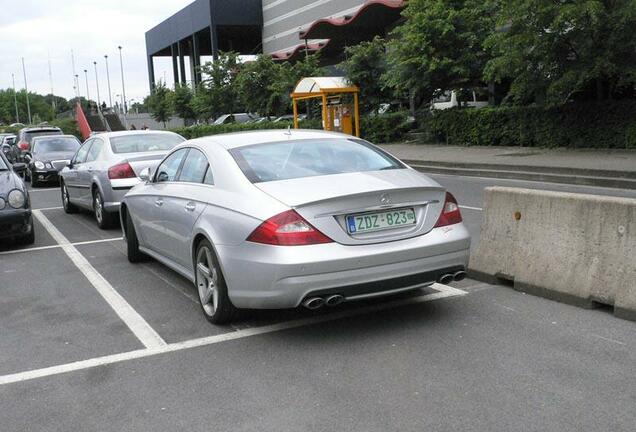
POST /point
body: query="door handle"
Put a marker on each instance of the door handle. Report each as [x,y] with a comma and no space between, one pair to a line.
[159,202]
[190,206]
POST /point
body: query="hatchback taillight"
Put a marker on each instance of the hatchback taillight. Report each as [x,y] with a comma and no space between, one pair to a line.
[23,145]
[121,171]
[287,229]
[450,212]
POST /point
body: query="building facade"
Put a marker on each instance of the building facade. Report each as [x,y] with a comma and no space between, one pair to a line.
[284,29]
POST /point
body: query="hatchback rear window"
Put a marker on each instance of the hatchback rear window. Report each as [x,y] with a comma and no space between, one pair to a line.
[308,158]
[28,136]
[146,142]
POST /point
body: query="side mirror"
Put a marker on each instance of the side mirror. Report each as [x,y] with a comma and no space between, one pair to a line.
[162,177]
[145,174]
[6,148]
[19,167]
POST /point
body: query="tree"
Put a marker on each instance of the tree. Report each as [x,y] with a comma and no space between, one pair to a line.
[217,93]
[552,50]
[440,46]
[256,82]
[159,103]
[181,102]
[366,66]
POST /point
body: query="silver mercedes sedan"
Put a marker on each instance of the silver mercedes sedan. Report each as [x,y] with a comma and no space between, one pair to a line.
[278,219]
[106,166]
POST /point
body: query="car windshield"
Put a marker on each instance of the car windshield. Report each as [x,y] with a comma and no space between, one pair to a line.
[28,136]
[57,144]
[3,165]
[146,142]
[308,158]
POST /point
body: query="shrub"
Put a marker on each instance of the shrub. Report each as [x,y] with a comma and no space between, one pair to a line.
[68,126]
[601,125]
[378,129]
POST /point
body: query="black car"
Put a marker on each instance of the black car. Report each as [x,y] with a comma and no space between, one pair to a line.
[16,221]
[48,155]
[26,135]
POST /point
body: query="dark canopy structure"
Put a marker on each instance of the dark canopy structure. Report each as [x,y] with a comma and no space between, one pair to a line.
[204,28]
[373,18]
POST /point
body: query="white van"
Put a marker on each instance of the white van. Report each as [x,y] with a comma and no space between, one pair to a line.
[448,99]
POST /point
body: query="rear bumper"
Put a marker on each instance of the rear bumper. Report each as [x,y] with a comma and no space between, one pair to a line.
[15,222]
[269,277]
[115,193]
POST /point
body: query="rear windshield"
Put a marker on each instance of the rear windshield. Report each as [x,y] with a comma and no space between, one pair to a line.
[146,142]
[308,158]
[61,144]
[28,136]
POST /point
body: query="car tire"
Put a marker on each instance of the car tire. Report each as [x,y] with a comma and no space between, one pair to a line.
[103,218]
[29,238]
[132,242]
[69,207]
[211,287]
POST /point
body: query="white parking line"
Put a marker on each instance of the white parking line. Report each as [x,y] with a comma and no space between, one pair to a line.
[56,246]
[471,208]
[43,189]
[443,291]
[49,208]
[146,334]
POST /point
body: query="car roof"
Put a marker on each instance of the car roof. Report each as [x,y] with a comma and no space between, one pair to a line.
[242,139]
[132,132]
[45,137]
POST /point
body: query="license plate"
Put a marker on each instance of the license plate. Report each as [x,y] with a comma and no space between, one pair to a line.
[376,221]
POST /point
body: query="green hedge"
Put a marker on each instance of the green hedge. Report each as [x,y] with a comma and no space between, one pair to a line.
[601,125]
[378,129]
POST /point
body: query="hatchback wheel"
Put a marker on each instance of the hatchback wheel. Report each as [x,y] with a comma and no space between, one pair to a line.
[66,201]
[104,219]
[211,286]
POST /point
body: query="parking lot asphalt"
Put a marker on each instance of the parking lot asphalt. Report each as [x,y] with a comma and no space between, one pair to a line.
[75,352]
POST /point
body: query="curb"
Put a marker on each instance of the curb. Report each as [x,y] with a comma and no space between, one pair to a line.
[574,176]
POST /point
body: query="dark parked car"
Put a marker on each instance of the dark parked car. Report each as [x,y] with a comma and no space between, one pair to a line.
[26,135]
[48,155]
[16,221]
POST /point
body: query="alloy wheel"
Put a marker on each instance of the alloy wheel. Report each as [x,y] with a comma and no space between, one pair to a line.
[207,279]
[98,208]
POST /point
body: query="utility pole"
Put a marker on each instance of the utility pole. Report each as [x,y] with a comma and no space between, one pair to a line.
[15,100]
[99,102]
[110,97]
[88,94]
[75,77]
[51,83]
[123,89]
[26,88]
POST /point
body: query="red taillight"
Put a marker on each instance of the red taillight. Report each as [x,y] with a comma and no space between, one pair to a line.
[121,171]
[23,145]
[450,212]
[287,229]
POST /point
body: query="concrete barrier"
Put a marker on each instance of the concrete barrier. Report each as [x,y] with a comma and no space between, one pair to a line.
[575,248]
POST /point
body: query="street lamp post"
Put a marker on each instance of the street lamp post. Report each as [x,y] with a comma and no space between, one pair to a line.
[88,93]
[99,102]
[123,88]
[15,100]
[110,98]
[26,90]
[77,87]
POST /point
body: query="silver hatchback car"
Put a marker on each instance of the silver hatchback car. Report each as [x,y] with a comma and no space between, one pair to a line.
[275,219]
[106,166]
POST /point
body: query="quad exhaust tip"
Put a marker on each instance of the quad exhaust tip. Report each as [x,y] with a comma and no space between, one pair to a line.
[446,278]
[459,276]
[334,300]
[314,303]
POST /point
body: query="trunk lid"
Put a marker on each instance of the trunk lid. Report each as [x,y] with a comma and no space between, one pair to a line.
[326,201]
[140,161]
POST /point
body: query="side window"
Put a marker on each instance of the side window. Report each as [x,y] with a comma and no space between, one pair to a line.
[209,178]
[168,169]
[194,167]
[95,150]
[80,156]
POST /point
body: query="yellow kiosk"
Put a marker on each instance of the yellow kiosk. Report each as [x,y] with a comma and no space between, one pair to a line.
[336,114]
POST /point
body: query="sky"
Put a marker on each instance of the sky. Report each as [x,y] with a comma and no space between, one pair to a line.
[41,29]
